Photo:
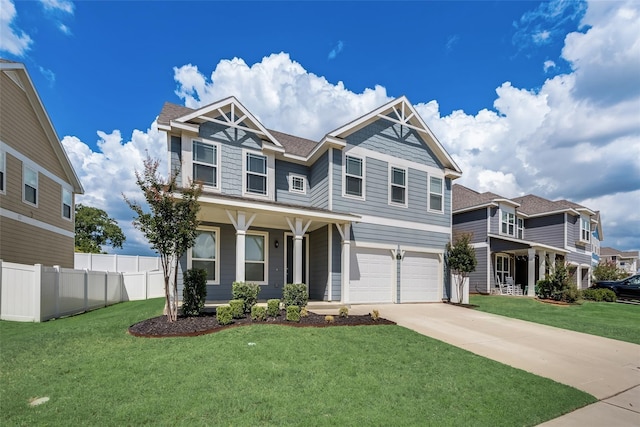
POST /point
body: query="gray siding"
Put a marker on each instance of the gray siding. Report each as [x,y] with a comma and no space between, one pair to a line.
[319,182]
[478,278]
[231,170]
[230,136]
[336,266]
[283,169]
[548,230]
[364,232]
[318,263]
[494,220]
[176,156]
[473,222]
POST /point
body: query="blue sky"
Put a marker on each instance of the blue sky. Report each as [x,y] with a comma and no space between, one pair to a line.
[528,97]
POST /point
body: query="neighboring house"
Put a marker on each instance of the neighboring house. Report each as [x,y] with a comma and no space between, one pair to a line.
[522,237]
[627,261]
[597,237]
[363,215]
[37,182]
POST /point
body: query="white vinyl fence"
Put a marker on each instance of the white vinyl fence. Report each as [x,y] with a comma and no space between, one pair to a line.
[34,293]
[115,262]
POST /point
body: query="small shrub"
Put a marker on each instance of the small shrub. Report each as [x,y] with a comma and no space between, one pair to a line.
[344,311]
[293,313]
[258,313]
[194,292]
[329,319]
[570,295]
[295,294]
[375,315]
[223,315]
[273,307]
[304,312]
[237,308]
[598,294]
[247,292]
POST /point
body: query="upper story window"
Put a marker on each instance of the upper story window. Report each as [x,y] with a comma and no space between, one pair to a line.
[3,172]
[205,163]
[508,223]
[436,194]
[67,203]
[585,229]
[204,254]
[398,186]
[30,179]
[520,222]
[297,184]
[256,169]
[354,177]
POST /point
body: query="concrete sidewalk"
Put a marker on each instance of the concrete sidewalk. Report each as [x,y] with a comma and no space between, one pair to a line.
[605,368]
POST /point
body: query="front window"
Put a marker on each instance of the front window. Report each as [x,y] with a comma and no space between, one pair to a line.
[205,163]
[204,254]
[585,229]
[520,228]
[255,267]
[256,174]
[30,178]
[398,185]
[508,223]
[435,194]
[502,268]
[297,184]
[67,203]
[354,176]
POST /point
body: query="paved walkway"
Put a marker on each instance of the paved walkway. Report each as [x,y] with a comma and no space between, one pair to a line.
[605,368]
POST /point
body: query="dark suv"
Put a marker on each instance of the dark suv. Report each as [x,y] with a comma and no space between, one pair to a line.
[628,288]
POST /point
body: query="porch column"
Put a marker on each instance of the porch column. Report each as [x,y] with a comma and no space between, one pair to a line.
[543,265]
[298,230]
[531,272]
[241,225]
[345,257]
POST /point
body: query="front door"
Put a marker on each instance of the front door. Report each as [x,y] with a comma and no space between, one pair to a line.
[289,259]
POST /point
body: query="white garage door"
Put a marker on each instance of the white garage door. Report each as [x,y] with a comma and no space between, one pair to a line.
[419,278]
[371,277]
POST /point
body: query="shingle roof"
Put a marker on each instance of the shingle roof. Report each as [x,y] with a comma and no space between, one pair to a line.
[464,197]
[607,251]
[172,111]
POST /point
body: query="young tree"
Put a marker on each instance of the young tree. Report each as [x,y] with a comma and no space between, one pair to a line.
[607,270]
[170,225]
[94,229]
[461,258]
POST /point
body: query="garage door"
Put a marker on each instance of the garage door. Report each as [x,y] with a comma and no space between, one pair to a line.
[419,277]
[371,276]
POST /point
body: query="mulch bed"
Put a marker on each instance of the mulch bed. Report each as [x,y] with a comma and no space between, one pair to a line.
[158,327]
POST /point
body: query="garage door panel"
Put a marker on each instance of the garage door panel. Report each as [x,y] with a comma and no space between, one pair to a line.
[371,276]
[419,277]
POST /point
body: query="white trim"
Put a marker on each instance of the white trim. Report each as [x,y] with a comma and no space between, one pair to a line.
[216,230]
[25,167]
[374,245]
[286,257]
[408,164]
[442,185]
[290,179]
[362,197]
[330,179]
[268,164]
[35,223]
[488,220]
[33,165]
[421,249]
[329,262]
[586,219]
[404,224]
[3,169]
[216,159]
[479,245]
[390,185]
[265,235]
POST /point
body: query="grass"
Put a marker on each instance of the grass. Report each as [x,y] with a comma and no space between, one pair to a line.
[605,319]
[96,374]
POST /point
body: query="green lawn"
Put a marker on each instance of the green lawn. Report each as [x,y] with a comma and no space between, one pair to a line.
[96,374]
[605,319]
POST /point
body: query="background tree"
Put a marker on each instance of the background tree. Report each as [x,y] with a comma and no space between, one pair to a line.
[170,225]
[608,270]
[94,228]
[461,259]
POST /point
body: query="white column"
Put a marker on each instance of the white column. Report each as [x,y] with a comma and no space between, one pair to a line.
[531,270]
[543,264]
[345,256]
[241,225]
[298,229]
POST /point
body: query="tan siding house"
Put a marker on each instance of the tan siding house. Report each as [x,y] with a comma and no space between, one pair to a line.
[37,182]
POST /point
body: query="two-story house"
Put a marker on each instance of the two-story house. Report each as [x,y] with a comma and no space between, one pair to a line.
[362,215]
[37,182]
[523,237]
[624,260]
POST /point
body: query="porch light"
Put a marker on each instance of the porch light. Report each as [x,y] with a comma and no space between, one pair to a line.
[276,244]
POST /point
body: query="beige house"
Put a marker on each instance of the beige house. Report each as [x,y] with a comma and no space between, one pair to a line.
[625,260]
[37,182]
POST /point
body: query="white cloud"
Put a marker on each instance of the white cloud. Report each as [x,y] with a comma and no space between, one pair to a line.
[451,42]
[336,50]
[548,65]
[546,24]
[65,6]
[12,40]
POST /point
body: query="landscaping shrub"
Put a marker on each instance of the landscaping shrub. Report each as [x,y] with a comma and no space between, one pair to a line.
[247,292]
[556,285]
[295,294]
[293,313]
[304,312]
[223,314]
[237,308]
[375,315]
[329,319]
[194,292]
[597,294]
[344,311]
[258,313]
[273,307]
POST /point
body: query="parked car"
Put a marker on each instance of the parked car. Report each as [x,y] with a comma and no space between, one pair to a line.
[628,288]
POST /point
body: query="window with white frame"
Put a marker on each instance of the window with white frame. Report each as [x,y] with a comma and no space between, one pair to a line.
[297,184]
[508,223]
[204,254]
[354,176]
[585,229]
[503,268]
[255,266]
[436,194]
[30,179]
[3,172]
[520,222]
[398,186]
[67,203]
[205,163]
[256,169]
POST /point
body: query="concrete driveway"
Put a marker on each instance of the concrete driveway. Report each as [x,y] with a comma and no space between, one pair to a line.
[605,368]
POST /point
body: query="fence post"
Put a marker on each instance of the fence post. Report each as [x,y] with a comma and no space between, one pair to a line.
[37,292]
[137,262]
[0,287]
[56,290]
[86,289]
[115,263]
[106,288]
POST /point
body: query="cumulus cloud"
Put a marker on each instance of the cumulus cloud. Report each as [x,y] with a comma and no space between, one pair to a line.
[336,50]
[546,24]
[12,39]
[548,65]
